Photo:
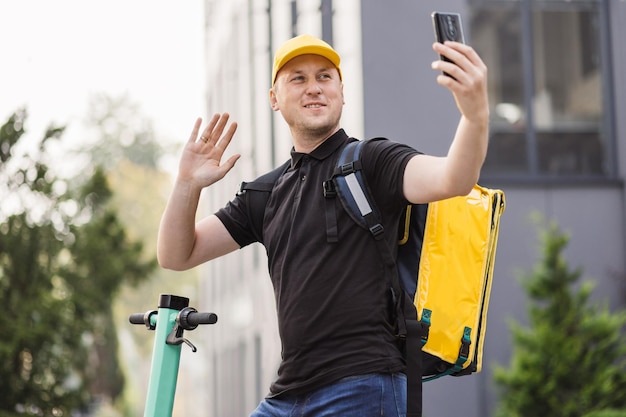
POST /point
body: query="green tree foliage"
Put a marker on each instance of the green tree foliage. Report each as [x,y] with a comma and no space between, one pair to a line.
[607,413]
[571,360]
[63,256]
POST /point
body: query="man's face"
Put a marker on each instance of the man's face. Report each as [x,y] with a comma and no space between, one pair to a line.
[309,94]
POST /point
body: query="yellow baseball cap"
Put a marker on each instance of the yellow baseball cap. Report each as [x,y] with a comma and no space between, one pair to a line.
[302,45]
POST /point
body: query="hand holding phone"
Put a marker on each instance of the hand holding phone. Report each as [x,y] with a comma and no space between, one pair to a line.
[447,27]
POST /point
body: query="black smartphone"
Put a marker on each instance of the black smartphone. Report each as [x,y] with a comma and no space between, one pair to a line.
[448,27]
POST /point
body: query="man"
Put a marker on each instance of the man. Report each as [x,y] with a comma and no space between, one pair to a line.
[340,356]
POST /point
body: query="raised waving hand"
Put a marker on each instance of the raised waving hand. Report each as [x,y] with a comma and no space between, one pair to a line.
[201,162]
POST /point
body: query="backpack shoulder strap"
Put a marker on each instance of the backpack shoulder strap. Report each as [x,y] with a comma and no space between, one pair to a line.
[265,182]
[256,194]
[353,190]
[355,196]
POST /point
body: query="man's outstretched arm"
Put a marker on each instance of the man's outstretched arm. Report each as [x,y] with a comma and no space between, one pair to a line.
[183,243]
[429,178]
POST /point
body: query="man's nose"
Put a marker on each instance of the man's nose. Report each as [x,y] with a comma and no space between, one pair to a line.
[313,87]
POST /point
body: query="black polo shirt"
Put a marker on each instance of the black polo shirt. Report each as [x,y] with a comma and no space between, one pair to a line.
[332,297]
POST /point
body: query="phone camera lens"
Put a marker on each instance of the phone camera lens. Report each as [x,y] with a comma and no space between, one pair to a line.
[451,28]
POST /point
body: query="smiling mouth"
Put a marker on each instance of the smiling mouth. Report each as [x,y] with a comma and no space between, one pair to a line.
[313,106]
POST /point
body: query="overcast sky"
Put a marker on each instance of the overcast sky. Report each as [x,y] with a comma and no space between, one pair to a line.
[55,54]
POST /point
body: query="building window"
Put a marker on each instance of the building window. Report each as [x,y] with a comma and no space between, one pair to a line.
[546,83]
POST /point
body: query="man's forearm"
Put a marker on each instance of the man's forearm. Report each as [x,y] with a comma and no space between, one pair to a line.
[176,237]
[467,153]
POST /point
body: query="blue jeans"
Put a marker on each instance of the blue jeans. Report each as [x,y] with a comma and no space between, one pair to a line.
[356,396]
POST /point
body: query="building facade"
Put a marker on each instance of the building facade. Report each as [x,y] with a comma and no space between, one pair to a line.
[557,147]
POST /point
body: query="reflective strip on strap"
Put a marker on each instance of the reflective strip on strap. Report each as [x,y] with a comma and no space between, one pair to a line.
[357,193]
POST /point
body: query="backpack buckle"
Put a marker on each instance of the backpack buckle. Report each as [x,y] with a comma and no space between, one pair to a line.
[377,230]
[242,188]
[329,189]
[347,169]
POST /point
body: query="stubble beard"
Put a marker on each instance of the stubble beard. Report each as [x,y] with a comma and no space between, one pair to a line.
[316,130]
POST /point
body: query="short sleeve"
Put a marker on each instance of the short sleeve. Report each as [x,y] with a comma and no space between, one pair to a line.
[384,163]
[237,219]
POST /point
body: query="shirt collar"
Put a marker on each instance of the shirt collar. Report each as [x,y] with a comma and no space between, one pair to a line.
[324,150]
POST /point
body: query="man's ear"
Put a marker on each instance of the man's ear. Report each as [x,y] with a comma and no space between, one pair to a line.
[273,100]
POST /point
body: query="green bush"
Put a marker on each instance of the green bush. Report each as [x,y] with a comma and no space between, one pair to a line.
[607,413]
[571,359]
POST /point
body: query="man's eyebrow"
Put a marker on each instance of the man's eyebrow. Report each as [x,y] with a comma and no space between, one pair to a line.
[296,71]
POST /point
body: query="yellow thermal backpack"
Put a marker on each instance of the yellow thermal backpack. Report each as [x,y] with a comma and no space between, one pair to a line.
[444,266]
[454,276]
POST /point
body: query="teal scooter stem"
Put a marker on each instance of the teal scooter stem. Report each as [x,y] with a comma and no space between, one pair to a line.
[172,318]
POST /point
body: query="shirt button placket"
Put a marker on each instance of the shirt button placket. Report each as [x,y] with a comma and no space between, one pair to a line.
[304,169]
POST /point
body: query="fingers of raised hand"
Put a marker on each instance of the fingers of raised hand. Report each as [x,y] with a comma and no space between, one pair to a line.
[214,135]
[467,68]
